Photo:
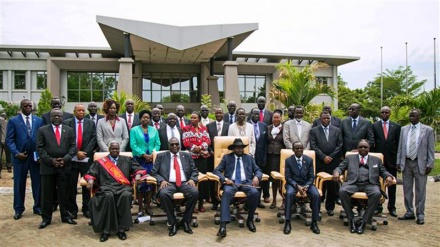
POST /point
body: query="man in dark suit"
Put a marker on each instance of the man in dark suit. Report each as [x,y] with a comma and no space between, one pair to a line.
[56,145]
[415,158]
[363,173]
[230,116]
[326,140]
[260,132]
[85,133]
[386,141]
[176,172]
[300,175]
[238,172]
[93,113]
[265,115]
[334,121]
[156,119]
[355,128]
[217,128]
[131,119]
[168,131]
[55,103]
[182,121]
[20,140]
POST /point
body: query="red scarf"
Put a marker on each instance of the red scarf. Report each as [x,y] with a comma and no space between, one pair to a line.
[114,171]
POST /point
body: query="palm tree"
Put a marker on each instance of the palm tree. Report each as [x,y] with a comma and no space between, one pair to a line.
[138,103]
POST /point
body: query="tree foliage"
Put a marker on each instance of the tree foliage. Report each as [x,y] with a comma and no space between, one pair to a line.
[9,108]
[44,103]
[122,97]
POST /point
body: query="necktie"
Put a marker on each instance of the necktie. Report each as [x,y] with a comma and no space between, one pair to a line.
[129,121]
[256,131]
[230,119]
[79,138]
[93,119]
[354,125]
[361,162]
[385,131]
[182,124]
[57,134]
[238,172]
[28,125]
[219,129]
[298,161]
[261,116]
[326,133]
[157,125]
[177,168]
[412,152]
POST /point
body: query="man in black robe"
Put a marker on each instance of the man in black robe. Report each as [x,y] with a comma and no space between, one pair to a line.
[110,207]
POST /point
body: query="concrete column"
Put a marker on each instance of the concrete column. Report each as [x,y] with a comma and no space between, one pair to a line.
[232,91]
[125,83]
[53,78]
[213,90]
[137,79]
[335,87]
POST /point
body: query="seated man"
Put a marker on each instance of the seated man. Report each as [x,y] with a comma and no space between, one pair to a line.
[363,173]
[171,180]
[110,208]
[241,173]
[300,175]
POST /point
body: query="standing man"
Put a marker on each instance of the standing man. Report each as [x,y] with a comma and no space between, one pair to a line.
[168,131]
[156,120]
[176,172]
[415,158]
[85,133]
[386,141]
[55,103]
[355,128]
[93,113]
[265,115]
[326,140]
[300,175]
[291,112]
[182,121]
[238,172]
[20,140]
[160,107]
[230,116]
[131,119]
[297,129]
[204,111]
[334,121]
[56,145]
[3,147]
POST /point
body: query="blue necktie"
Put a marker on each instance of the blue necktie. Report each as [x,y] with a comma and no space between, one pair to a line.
[256,131]
[354,125]
[299,163]
[238,172]
[28,125]
[230,119]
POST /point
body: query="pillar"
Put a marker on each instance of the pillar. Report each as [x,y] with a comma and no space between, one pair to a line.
[232,91]
[125,83]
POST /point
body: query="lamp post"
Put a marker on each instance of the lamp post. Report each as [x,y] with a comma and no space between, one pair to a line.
[435,68]
[406,66]
[381,78]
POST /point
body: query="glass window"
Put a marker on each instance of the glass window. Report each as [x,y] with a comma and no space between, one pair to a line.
[41,80]
[1,80]
[19,79]
[90,86]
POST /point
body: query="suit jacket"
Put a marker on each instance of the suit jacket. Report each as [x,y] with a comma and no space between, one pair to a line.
[48,148]
[291,134]
[97,117]
[46,117]
[226,117]
[161,167]
[261,145]
[334,121]
[267,116]
[105,134]
[212,131]
[294,175]
[17,138]
[324,148]
[89,136]
[137,140]
[275,144]
[351,139]
[227,167]
[388,147]
[164,138]
[161,124]
[351,164]
[425,148]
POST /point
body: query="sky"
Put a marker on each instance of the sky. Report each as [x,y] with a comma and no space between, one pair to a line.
[327,27]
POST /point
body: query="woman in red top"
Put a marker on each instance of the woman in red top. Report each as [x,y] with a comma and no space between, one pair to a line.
[196,139]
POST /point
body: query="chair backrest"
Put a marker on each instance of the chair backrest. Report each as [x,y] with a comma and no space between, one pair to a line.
[155,153]
[378,155]
[286,153]
[99,155]
[221,147]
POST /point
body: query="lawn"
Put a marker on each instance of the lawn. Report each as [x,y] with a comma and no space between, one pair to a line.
[436,170]
[437,147]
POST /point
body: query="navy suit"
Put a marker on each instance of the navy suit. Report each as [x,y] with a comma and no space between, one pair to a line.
[261,154]
[352,137]
[18,140]
[251,170]
[303,177]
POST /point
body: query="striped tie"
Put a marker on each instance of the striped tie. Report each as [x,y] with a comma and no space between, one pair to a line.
[412,152]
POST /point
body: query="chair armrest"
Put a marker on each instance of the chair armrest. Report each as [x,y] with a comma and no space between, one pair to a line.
[276,175]
[325,176]
[150,180]
[202,177]
[213,177]
[265,177]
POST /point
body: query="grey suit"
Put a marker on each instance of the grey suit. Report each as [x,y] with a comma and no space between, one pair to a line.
[352,137]
[414,170]
[105,134]
[291,135]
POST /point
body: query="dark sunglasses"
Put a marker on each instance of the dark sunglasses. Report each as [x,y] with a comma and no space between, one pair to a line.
[365,147]
[174,144]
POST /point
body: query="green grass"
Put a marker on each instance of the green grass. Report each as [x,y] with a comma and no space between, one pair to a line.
[437,147]
[436,170]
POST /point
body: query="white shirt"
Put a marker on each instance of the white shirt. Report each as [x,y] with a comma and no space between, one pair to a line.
[299,127]
[176,133]
[94,120]
[243,175]
[217,126]
[30,119]
[173,171]
[205,121]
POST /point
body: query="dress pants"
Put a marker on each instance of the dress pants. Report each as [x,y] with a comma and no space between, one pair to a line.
[77,169]
[413,179]
[49,183]
[373,193]
[312,194]
[21,169]
[166,199]
[253,195]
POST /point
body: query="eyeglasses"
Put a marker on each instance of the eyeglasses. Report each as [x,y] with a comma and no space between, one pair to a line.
[174,144]
[383,112]
[364,147]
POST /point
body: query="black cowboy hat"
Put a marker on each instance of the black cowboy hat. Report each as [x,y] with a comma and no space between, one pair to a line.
[237,143]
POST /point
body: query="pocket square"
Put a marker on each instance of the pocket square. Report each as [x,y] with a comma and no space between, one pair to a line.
[375,166]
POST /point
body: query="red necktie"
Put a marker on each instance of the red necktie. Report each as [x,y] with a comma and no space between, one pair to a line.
[57,134]
[129,121]
[177,168]
[79,139]
[362,161]
[157,125]
[182,124]
[385,131]
[261,116]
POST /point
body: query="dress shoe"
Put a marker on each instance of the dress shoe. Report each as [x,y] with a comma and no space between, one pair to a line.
[173,230]
[353,227]
[86,214]
[222,231]
[214,206]
[314,227]
[361,227]
[338,201]
[186,227]
[393,213]
[74,215]
[261,205]
[266,200]
[273,205]
[330,212]
[287,227]
[250,225]
[104,237]
[122,235]
[69,221]
[420,221]
[17,216]
[407,217]
[37,211]
[44,224]
[201,209]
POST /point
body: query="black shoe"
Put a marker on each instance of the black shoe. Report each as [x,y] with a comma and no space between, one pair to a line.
[122,235]
[361,227]
[44,224]
[86,214]
[261,205]
[330,212]
[74,215]
[214,206]
[37,211]
[17,216]
[287,227]
[393,213]
[222,231]
[173,230]
[104,237]
[186,227]
[69,221]
[420,221]
[250,225]
[314,227]
[407,217]
[353,227]
[338,201]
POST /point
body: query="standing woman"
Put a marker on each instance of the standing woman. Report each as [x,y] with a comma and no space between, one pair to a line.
[144,140]
[275,144]
[111,127]
[243,128]
[196,139]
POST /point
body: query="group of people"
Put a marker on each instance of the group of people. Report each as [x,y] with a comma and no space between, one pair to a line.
[58,148]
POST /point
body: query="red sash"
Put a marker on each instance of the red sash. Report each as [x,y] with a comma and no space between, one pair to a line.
[114,171]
